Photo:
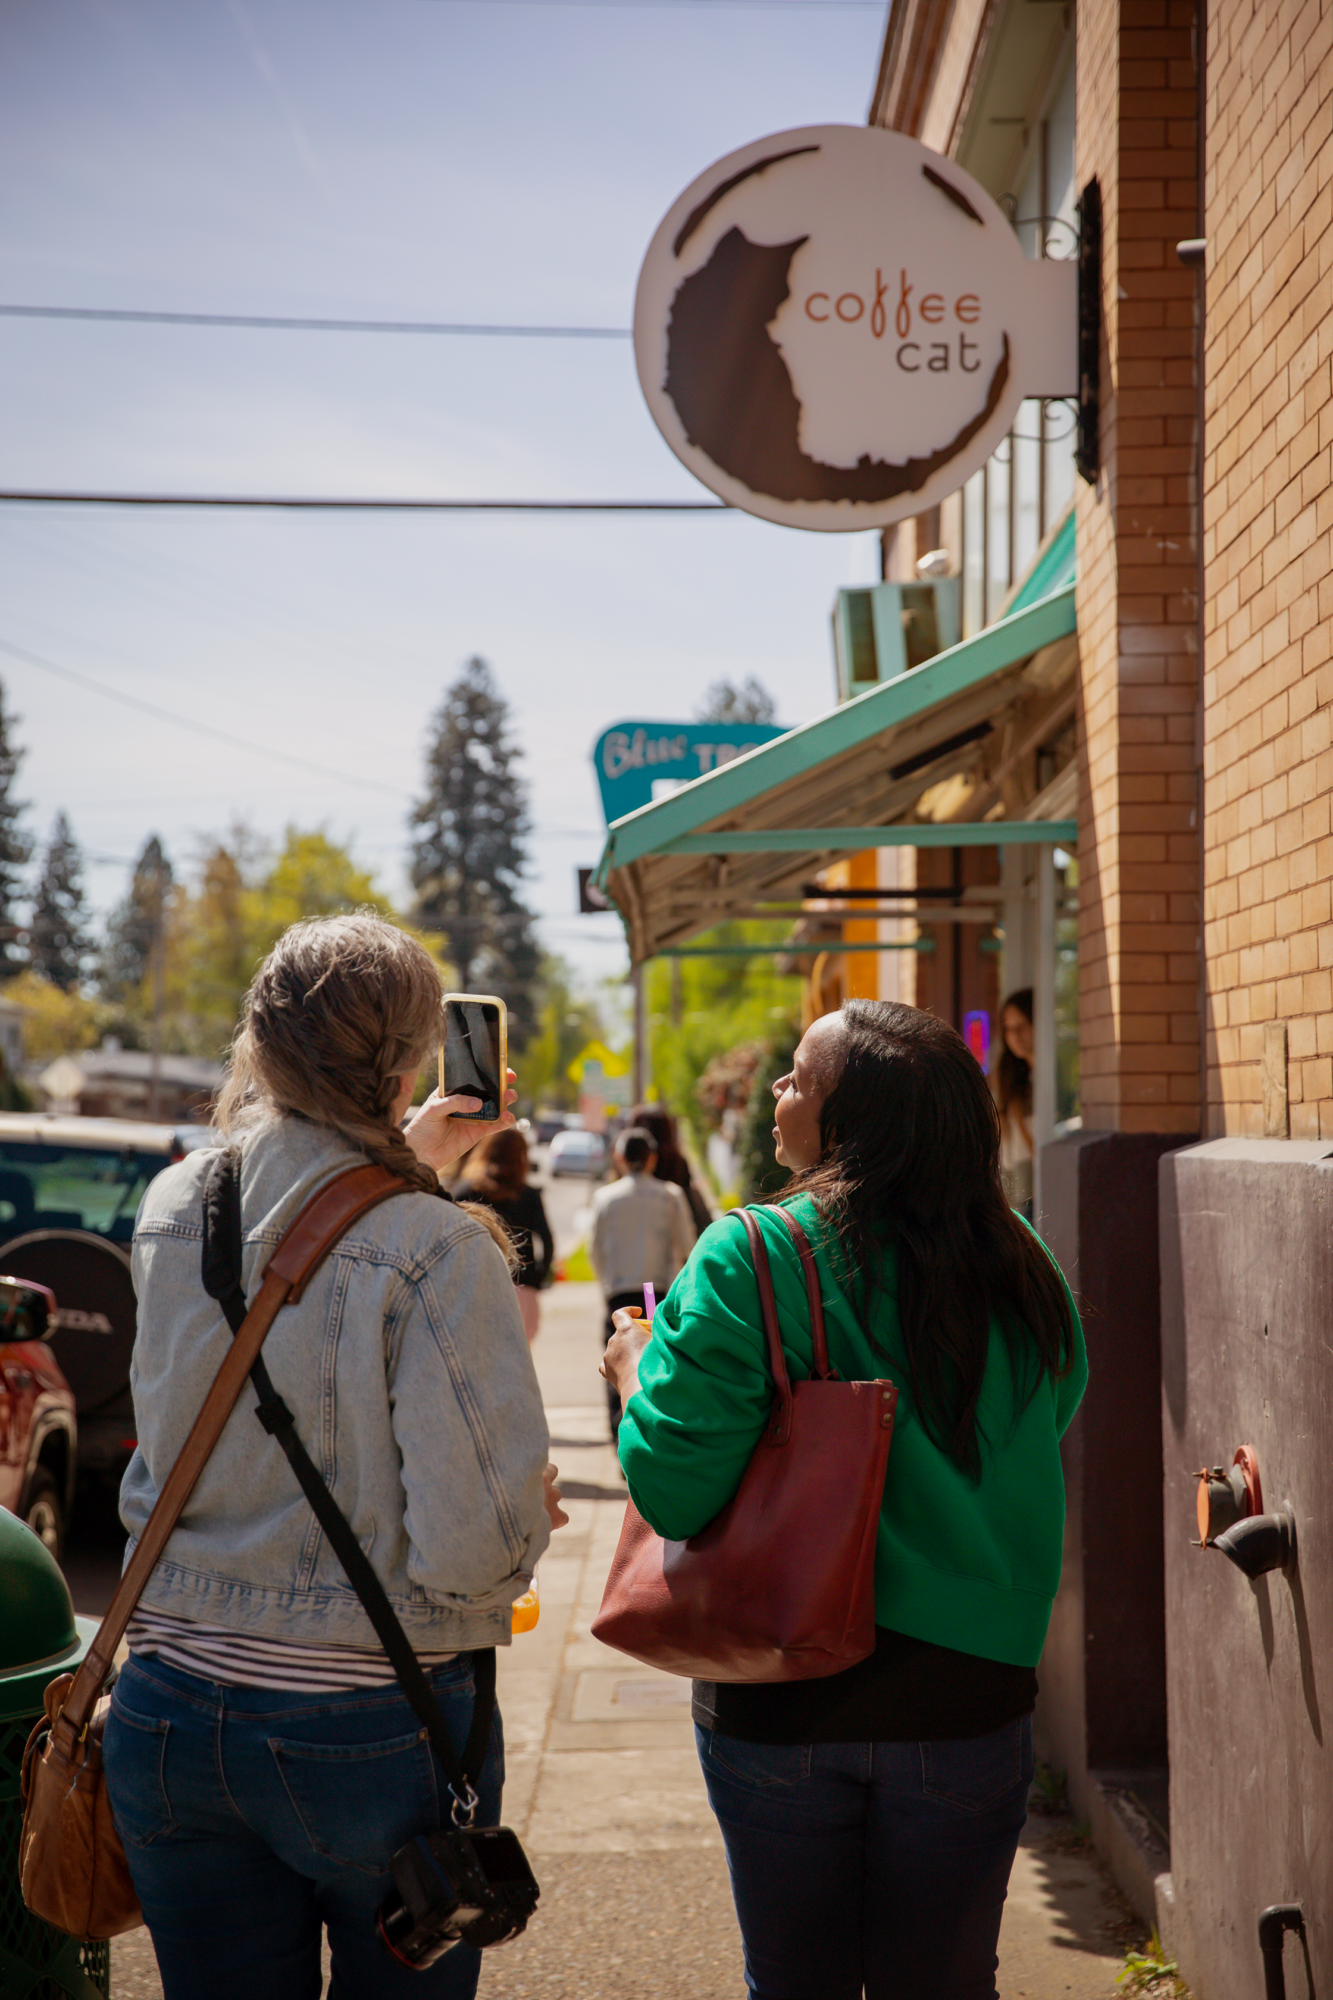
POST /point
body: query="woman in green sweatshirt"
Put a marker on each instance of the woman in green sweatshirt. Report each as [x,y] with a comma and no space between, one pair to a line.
[871,1818]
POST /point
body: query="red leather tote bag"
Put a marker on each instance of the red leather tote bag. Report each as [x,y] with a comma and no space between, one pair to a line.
[780,1586]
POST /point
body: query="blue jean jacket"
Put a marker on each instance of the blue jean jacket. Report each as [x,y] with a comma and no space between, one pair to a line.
[408,1374]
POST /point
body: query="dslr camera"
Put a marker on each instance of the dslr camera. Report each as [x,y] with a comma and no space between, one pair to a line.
[469,1884]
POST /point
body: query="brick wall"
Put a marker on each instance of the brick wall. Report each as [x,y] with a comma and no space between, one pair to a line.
[1137,581]
[1268,600]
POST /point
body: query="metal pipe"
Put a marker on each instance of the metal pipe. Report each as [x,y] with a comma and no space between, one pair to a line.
[1274,1923]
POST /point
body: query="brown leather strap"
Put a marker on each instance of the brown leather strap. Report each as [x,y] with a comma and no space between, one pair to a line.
[305,1243]
[813,1293]
[779,1424]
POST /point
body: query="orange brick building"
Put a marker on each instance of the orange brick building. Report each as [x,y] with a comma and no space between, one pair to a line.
[1203,130]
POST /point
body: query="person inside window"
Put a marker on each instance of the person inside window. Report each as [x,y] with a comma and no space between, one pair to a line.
[1013,1096]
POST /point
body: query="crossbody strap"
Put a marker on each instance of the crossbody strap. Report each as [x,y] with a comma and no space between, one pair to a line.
[305,1244]
[222,1278]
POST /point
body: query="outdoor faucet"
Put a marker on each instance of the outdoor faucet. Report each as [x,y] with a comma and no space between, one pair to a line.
[1229,1508]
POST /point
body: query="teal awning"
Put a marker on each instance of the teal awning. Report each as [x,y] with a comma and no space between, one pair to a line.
[979,712]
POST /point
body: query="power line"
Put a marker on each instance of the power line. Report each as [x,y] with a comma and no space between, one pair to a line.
[309,503]
[199,728]
[268,321]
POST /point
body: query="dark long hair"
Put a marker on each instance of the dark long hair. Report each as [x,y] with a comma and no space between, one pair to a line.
[910,1161]
[671,1162]
[1013,1074]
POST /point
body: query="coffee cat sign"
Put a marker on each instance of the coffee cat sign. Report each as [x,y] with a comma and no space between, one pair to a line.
[835,326]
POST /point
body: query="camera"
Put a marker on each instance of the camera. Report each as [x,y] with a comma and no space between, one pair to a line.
[470,1884]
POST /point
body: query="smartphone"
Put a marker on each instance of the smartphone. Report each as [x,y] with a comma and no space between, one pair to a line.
[474,1057]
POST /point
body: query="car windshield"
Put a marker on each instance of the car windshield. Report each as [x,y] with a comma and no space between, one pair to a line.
[50,1186]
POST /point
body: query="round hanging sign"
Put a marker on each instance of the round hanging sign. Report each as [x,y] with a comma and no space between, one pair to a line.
[835,326]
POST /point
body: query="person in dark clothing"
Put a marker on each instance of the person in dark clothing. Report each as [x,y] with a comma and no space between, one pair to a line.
[497,1176]
[672,1165]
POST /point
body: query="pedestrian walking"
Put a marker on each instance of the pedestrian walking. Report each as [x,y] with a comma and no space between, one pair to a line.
[672,1165]
[642,1232]
[262,1762]
[871,1817]
[496,1175]
[1013,1096]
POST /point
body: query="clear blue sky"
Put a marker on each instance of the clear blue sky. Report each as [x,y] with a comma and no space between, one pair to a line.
[433,159]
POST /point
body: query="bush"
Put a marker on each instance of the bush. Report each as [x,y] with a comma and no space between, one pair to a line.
[761,1176]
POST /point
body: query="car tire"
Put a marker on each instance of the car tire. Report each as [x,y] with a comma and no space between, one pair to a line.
[43,1512]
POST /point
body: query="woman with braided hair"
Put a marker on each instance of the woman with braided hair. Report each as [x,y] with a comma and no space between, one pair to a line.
[262,1761]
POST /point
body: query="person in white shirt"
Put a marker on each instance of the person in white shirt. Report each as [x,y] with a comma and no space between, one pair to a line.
[642,1233]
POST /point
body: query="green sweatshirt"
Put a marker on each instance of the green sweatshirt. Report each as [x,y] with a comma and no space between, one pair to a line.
[973,1566]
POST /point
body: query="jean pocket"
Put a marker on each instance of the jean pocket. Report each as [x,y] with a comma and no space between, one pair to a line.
[767,1767]
[134,1756]
[979,1772]
[357,1803]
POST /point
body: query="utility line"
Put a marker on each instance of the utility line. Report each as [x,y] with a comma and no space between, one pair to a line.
[267,321]
[199,728]
[362,505]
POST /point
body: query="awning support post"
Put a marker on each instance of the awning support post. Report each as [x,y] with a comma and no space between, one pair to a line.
[1043,1022]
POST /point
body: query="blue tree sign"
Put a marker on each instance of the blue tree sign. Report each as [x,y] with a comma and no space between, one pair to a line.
[632,758]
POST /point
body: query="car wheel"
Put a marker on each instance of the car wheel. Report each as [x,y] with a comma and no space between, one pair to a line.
[44,1513]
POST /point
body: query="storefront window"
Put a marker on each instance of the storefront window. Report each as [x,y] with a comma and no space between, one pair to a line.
[1011,505]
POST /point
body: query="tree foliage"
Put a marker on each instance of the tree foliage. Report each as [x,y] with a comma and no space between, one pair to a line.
[55,1022]
[468,854]
[726,702]
[566,1022]
[15,848]
[134,928]
[58,941]
[716,1004]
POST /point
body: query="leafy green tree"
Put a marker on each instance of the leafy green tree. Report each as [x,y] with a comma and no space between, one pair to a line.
[135,927]
[311,877]
[722,1002]
[58,941]
[15,848]
[566,1022]
[726,702]
[760,1173]
[468,853]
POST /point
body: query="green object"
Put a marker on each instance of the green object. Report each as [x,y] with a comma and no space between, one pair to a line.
[786,949]
[750,780]
[972,1567]
[41,1638]
[852,839]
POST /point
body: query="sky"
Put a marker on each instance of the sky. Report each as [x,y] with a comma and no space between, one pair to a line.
[497,161]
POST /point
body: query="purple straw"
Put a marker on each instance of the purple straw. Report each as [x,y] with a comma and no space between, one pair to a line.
[649,1301]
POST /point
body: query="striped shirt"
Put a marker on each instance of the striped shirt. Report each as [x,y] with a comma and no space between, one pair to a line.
[241,1659]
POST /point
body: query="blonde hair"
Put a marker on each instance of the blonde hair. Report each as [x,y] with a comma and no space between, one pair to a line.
[341,1009]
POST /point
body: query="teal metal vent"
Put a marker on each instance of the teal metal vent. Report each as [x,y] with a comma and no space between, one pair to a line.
[889,628]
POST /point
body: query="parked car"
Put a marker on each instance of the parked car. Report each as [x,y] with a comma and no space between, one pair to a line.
[547,1125]
[70,1189]
[577,1153]
[38,1421]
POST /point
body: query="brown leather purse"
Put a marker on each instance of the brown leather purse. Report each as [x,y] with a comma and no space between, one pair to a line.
[780,1586]
[72,1867]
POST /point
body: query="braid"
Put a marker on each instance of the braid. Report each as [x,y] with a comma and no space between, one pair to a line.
[340,1011]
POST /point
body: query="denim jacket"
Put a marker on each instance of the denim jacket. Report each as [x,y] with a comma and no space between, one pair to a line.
[406,1370]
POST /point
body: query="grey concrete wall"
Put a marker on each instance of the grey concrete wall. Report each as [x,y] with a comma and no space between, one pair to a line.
[1103,1672]
[1247,1357]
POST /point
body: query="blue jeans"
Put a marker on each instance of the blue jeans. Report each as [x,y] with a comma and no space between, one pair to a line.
[252,1818]
[875,1868]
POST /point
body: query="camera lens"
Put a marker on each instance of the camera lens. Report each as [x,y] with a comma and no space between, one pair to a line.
[409,1943]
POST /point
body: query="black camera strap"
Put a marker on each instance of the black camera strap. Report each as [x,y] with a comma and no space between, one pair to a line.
[222,1280]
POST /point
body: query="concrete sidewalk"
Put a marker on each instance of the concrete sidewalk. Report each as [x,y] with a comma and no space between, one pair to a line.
[604,1788]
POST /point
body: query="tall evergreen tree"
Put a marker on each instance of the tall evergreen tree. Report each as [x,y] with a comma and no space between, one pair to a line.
[15,849]
[135,926]
[468,854]
[58,941]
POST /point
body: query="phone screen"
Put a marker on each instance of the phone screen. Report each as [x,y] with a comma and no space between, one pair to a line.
[471,1060]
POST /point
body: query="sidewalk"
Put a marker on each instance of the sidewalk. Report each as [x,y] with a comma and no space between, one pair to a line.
[604,1789]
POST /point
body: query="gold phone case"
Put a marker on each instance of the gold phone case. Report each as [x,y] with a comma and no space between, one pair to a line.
[483,1000]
